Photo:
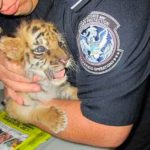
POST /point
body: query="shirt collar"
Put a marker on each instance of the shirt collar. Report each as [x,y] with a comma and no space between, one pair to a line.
[76,4]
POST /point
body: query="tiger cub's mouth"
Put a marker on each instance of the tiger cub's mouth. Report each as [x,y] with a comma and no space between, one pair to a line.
[55,75]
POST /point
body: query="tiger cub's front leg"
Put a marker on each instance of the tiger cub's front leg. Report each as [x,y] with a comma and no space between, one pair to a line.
[51,117]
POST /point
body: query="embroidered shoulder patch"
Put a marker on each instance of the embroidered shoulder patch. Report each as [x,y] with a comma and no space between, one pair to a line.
[99,43]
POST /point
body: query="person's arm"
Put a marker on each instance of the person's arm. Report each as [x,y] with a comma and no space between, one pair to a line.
[79,128]
[85,131]
[17,7]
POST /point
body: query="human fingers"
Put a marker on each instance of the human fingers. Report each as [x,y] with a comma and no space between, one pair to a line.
[16,69]
[18,82]
[14,95]
[21,86]
[6,74]
[11,74]
[13,70]
[36,78]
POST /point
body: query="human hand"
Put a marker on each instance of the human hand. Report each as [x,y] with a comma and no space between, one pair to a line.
[12,77]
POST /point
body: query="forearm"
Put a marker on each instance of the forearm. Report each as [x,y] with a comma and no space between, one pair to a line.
[82,130]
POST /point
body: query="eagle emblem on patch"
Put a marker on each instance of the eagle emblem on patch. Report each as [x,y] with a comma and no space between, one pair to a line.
[98,43]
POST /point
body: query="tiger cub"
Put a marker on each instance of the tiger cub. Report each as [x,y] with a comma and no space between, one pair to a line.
[40,50]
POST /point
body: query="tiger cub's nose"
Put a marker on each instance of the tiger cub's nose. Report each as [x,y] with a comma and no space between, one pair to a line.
[64,60]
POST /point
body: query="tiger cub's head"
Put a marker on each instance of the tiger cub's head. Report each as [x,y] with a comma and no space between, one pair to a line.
[39,47]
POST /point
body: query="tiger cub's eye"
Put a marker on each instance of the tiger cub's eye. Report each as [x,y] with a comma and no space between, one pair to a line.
[40,50]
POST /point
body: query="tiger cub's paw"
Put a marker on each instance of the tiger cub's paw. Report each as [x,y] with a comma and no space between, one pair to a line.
[53,118]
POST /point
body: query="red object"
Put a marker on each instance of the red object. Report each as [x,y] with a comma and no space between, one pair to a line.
[9,7]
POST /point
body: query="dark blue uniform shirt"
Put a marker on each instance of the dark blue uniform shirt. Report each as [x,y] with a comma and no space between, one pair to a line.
[109,41]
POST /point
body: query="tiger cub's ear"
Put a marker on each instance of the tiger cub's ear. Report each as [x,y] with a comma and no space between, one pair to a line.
[13,48]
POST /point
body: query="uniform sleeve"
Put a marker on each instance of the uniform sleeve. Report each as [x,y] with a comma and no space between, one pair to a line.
[114,96]
[42,9]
